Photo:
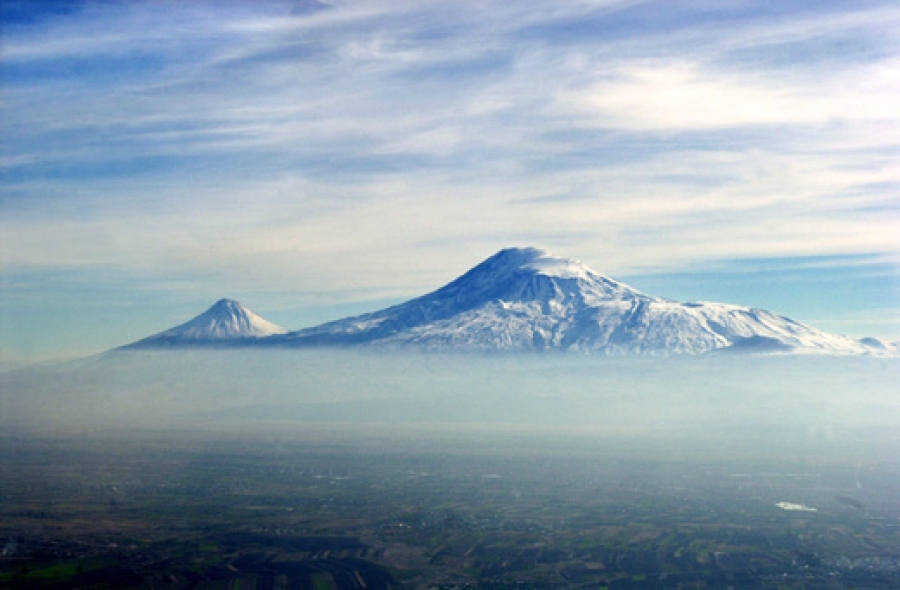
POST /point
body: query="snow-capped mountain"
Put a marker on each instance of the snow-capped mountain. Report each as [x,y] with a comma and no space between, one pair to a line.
[525,299]
[226,322]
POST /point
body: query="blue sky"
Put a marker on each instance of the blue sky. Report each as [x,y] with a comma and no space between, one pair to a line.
[314,159]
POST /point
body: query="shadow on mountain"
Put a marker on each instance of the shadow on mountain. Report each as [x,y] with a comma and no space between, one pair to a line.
[754,344]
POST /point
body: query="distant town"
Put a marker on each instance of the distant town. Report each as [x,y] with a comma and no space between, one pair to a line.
[296,512]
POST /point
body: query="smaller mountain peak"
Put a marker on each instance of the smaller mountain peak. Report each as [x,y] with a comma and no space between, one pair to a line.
[227,320]
[226,304]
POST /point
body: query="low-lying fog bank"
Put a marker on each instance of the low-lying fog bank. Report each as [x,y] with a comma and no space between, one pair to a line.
[809,398]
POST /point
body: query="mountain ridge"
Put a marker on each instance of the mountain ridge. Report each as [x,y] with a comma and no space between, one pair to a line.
[524,299]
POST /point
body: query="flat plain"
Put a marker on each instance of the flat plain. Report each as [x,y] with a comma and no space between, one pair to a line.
[348,507]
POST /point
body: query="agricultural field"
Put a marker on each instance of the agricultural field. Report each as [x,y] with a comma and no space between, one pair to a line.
[353,510]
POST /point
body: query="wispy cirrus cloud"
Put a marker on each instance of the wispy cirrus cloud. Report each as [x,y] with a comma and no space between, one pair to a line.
[381,146]
[683,96]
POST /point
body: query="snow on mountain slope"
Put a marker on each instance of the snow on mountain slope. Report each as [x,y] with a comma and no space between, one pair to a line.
[227,321]
[526,299]
[523,299]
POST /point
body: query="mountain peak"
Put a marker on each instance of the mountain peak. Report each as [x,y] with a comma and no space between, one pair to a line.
[525,298]
[518,255]
[538,261]
[226,321]
[227,306]
[519,274]
[225,302]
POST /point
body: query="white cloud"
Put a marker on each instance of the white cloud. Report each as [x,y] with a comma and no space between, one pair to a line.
[391,142]
[675,95]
